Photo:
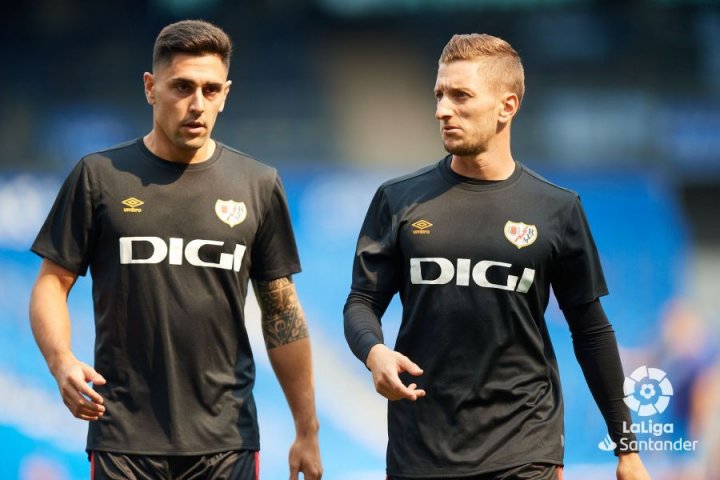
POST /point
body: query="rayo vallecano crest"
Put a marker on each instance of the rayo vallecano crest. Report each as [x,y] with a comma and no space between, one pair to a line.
[232,213]
[520,234]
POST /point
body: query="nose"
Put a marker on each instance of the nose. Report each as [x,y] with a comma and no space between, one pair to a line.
[197,103]
[442,109]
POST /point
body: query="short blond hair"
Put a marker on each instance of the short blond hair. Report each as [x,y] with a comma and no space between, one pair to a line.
[506,70]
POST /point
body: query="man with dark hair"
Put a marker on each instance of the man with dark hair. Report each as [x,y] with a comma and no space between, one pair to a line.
[473,245]
[172,227]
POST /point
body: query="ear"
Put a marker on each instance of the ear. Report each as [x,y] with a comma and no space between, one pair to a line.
[226,89]
[149,83]
[509,106]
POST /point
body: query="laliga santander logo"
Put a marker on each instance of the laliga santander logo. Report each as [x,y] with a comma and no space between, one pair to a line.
[647,391]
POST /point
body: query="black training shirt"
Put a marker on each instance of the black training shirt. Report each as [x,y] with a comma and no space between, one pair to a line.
[473,263]
[171,248]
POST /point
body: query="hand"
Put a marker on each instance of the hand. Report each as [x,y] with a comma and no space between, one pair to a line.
[305,458]
[72,377]
[630,467]
[386,365]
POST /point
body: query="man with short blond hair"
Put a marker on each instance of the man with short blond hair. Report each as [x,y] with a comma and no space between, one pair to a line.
[473,245]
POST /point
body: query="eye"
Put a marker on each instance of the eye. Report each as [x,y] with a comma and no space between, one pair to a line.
[211,91]
[183,88]
[438,96]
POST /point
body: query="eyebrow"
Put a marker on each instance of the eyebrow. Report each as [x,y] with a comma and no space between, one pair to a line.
[452,89]
[193,82]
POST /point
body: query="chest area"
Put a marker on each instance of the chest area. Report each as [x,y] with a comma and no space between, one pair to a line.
[466,239]
[200,220]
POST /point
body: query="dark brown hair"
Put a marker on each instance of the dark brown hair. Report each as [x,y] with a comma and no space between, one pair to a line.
[194,37]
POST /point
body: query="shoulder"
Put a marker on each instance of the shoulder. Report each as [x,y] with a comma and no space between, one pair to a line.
[410,180]
[257,170]
[117,157]
[545,187]
[119,150]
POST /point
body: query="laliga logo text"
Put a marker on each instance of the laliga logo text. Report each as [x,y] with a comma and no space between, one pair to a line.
[648,392]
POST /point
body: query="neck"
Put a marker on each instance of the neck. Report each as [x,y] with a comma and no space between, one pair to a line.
[484,166]
[168,151]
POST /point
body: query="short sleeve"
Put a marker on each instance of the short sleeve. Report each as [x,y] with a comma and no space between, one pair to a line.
[577,276]
[68,235]
[377,266]
[274,252]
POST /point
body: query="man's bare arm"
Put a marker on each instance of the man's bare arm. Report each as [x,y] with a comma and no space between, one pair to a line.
[286,338]
[50,321]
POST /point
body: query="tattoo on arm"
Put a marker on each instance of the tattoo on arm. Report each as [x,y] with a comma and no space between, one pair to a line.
[283,321]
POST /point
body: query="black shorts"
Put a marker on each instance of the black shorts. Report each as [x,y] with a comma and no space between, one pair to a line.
[233,465]
[530,471]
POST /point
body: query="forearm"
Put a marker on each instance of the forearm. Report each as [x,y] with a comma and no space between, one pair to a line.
[600,362]
[361,315]
[286,338]
[49,316]
[597,353]
[292,364]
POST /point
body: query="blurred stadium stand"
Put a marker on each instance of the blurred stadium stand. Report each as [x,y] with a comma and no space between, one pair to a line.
[622,105]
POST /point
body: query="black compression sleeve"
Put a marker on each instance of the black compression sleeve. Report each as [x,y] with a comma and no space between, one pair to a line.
[362,314]
[597,352]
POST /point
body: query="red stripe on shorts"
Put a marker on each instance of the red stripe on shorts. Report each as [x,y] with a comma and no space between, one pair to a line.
[92,465]
[257,465]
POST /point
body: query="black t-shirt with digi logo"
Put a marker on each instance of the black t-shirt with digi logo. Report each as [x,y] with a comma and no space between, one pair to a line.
[171,248]
[474,263]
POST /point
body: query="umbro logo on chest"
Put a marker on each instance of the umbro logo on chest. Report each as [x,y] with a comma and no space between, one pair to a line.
[421,227]
[132,205]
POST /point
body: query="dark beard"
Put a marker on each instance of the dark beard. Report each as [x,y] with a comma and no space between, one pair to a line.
[465,150]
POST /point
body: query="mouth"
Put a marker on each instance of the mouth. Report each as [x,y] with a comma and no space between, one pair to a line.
[194,126]
[450,129]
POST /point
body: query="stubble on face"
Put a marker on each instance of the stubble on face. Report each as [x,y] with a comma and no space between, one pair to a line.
[473,146]
[183,118]
[474,117]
